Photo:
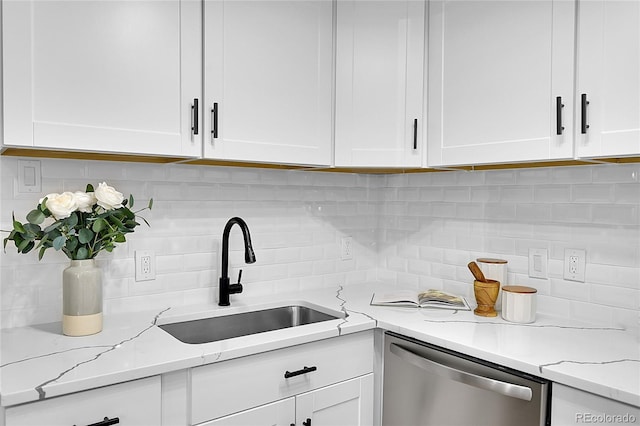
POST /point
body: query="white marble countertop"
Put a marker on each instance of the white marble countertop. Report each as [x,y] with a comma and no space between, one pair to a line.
[39,362]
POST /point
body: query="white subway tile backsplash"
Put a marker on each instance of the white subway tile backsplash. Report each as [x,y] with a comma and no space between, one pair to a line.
[517,194]
[619,297]
[616,214]
[536,176]
[552,193]
[501,177]
[627,193]
[571,213]
[571,174]
[592,193]
[616,174]
[418,230]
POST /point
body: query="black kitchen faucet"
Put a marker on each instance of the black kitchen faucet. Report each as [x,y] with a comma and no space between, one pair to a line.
[249,257]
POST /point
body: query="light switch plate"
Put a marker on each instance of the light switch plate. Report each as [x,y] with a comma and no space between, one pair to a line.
[29,176]
[538,263]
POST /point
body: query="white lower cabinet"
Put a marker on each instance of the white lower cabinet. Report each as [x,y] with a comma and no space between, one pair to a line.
[329,381]
[570,406]
[133,404]
[347,403]
[277,413]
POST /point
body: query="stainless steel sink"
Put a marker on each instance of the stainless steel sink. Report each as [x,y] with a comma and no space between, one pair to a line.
[244,323]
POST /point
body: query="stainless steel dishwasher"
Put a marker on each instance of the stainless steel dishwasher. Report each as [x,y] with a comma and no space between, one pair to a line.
[428,385]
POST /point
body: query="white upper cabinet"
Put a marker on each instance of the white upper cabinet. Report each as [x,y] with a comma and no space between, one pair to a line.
[268,81]
[608,78]
[102,76]
[379,83]
[496,71]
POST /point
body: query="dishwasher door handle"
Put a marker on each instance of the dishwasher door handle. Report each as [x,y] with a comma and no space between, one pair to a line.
[504,388]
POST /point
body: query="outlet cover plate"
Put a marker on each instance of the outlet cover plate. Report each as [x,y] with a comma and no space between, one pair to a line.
[574,264]
[145,265]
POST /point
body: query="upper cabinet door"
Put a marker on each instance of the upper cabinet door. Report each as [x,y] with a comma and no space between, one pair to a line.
[379,83]
[499,73]
[608,78]
[109,76]
[268,81]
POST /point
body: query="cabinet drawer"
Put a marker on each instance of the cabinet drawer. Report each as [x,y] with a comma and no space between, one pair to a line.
[133,403]
[230,386]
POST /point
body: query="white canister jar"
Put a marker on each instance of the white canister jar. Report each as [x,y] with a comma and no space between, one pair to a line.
[519,304]
[494,269]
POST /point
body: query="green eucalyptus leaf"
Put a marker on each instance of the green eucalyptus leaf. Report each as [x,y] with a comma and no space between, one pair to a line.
[85,235]
[130,201]
[82,253]
[41,252]
[116,221]
[99,225]
[89,188]
[18,227]
[59,242]
[72,220]
[150,204]
[29,247]
[22,245]
[72,244]
[54,225]
[32,230]
[43,241]
[43,206]
[120,238]
[36,217]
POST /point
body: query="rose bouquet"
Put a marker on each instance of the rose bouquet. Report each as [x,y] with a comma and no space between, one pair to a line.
[84,223]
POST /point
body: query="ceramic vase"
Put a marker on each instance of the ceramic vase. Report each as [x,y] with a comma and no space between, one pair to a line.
[486,295]
[82,298]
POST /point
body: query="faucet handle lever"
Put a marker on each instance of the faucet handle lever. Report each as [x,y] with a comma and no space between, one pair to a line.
[239,276]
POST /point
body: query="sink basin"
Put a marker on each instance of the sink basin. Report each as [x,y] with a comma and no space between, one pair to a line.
[244,323]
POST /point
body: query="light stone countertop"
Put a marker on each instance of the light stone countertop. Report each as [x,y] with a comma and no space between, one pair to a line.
[39,362]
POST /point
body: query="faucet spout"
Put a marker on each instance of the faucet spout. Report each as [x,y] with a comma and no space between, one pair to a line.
[249,257]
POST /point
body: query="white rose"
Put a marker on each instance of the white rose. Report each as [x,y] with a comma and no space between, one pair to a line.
[85,201]
[61,205]
[108,198]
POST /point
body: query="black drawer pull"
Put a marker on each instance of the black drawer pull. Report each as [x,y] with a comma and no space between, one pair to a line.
[106,422]
[305,370]
[194,110]
[559,106]
[415,133]
[583,114]
[307,423]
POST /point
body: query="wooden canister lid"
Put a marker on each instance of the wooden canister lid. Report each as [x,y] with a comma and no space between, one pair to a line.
[490,260]
[519,289]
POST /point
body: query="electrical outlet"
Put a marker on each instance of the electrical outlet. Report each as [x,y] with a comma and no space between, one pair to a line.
[574,264]
[346,248]
[145,265]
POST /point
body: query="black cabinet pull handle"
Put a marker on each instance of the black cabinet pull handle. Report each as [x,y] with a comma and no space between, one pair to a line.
[214,119]
[194,110]
[106,422]
[583,114]
[559,106]
[415,133]
[305,370]
[307,423]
